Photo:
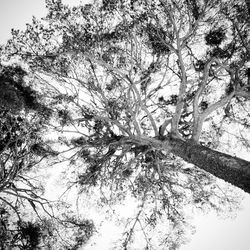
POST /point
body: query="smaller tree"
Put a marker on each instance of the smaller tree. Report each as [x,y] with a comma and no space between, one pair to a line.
[66,232]
[27,219]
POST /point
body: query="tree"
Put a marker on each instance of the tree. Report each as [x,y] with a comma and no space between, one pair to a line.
[19,133]
[22,121]
[68,232]
[146,86]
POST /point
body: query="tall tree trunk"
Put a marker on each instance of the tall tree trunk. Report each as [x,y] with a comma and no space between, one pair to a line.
[231,169]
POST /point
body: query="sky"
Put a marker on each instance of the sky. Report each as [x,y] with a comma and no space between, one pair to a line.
[16,13]
[212,233]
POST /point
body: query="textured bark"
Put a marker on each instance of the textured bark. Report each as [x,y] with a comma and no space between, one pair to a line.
[231,169]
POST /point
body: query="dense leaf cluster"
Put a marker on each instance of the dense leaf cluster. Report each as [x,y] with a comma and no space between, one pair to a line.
[215,37]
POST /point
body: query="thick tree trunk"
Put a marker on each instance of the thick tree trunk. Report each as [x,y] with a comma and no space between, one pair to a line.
[231,169]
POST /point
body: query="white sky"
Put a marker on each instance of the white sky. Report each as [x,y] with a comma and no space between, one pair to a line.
[212,233]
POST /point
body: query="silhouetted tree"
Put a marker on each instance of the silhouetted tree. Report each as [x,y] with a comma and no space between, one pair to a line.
[147,87]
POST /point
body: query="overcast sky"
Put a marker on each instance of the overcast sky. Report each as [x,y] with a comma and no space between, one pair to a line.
[212,233]
[16,13]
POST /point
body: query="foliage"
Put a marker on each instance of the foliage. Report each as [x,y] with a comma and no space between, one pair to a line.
[64,233]
[23,119]
[215,37]
[15,94]
[122,80]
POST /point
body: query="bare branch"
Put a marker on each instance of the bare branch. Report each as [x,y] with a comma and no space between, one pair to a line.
[144,108]
[182,92]
[201,118]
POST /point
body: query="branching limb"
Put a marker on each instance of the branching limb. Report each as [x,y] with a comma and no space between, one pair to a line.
[136,220]
[11,206]
[133,113]
[201,118]
[183,83]
[143,107]
[100,62]
[197,123]
[182,92]
[198,118]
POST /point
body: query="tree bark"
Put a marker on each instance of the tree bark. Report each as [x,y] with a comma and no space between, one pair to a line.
[231,169]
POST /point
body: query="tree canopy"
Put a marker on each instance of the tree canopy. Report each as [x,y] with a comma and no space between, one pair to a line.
[147,100]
